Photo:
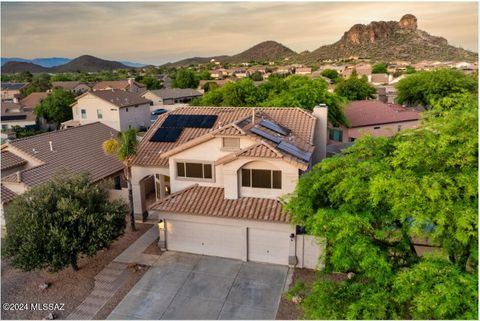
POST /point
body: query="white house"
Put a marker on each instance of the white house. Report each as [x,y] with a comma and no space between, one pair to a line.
[214,176]
[118,109]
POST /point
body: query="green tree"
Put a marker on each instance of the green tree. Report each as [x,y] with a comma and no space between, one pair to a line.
[150,81]
[209,86]
[371,202]
[39,83]
[256,76]
[422,88]
[355,88]
[50,225]
[380,68]
[331,74]
[204,75]
[125,148]
[56,106]
[185,78]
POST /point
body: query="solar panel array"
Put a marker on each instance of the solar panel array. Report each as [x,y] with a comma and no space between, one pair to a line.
[284,146]
[168,135]
[275,127]
[191,121]
[13,117]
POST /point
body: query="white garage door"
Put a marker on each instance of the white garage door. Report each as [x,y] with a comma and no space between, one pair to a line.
[208,239]
[268,246]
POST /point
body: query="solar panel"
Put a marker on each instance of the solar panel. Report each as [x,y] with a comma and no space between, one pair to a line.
[168,135]
[275,127]
[295,151]
[192,121]
[13,117]
[263,134]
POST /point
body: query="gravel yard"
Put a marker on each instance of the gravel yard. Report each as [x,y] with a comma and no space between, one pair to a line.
[67,287]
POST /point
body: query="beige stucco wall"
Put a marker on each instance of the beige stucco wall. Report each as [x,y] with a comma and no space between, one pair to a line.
[151,96]
[134,117]
[138,173]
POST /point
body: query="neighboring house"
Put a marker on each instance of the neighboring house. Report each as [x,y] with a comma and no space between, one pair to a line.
[362,69]
[171,96]
[241,73]
[118,109]
[386,94]
[303,71]
[380,79]
[373,117]
[75,87]
[125,85]
[220,83]
[215,176]
[283,70]
[11,90]
[34,160]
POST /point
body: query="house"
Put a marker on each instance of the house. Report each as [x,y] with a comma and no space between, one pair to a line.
[362,69]
[20,113]
[125,85]
[386,94]
[373,117]
[11,90]
[214,176]
[241,73]
[380,79]
[303,71]
[75,87]
[283,70]
[31,161]
[220,83]
[118,109]
[171,96]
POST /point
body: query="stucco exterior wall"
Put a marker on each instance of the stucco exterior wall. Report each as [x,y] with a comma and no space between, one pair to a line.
[134,117]
[110,113]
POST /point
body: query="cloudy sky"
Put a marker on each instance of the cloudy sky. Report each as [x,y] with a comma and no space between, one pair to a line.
[152,32]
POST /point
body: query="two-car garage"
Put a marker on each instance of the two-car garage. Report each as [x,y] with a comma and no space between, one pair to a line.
[237,239]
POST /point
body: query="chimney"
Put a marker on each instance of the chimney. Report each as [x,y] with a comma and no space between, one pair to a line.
[15,100]
[130,84]
[321,132]
[51,145]
[253,115]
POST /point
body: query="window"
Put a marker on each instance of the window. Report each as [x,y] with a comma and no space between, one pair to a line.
[231,143]
[261,178]
[194,170]
[117,183]
[376,127]
[84,113]
[335,134]
[99,114]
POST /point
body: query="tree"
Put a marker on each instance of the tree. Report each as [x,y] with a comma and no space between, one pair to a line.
[39,83]
[355,88]
[211,85]
[50,225]
[331,74]
[56,106]
[256,76]
[371,202]
[150,81]
[380,68]
[185,78]
[125,147]
[422,88]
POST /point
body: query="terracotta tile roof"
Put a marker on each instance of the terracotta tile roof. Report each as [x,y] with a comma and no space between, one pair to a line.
[373,112]
[7,194]
[299,121]
[32,100]
[260,150]
[68,85]
[114,84]
[379,78]
[230,130]
[119,98]
[10,160]
[173,93]
[75,149]
[210,201]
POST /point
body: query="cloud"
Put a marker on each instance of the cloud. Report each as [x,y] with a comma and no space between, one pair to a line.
[153,32]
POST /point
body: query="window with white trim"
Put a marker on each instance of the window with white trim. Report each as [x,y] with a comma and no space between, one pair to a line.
[84,113]
[99,114]
[261,178]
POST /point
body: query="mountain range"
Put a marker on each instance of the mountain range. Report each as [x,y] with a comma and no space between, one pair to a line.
[378,41]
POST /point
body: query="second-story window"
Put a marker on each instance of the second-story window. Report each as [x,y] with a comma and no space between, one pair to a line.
[84,113]
[99,114]
[194,170]
[335,134]
[261,178]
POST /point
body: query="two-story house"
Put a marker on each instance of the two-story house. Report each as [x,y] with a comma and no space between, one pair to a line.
[126,85]
[214,177]
[118,109]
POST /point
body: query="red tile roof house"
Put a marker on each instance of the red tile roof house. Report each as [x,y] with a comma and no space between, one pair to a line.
[125,85]
[213,176]
[373,117]
[30,161]
[75,87]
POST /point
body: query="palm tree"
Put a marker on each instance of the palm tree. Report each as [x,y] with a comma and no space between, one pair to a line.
[124,147]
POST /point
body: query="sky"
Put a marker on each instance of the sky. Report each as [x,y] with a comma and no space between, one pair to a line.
[156,33]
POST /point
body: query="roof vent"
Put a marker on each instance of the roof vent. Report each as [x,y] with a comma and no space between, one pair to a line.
[51,145]
[34,151]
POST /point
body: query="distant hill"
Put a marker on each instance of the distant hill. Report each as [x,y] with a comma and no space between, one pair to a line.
[44,62]
[264,51]
[133,64]
[89,64]
[195,61]
[388,41]
[20,66]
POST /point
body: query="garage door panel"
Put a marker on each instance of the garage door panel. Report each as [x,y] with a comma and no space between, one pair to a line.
[268,246]
[208,239]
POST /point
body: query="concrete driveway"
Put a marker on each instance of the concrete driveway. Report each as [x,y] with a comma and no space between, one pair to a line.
[188,286]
